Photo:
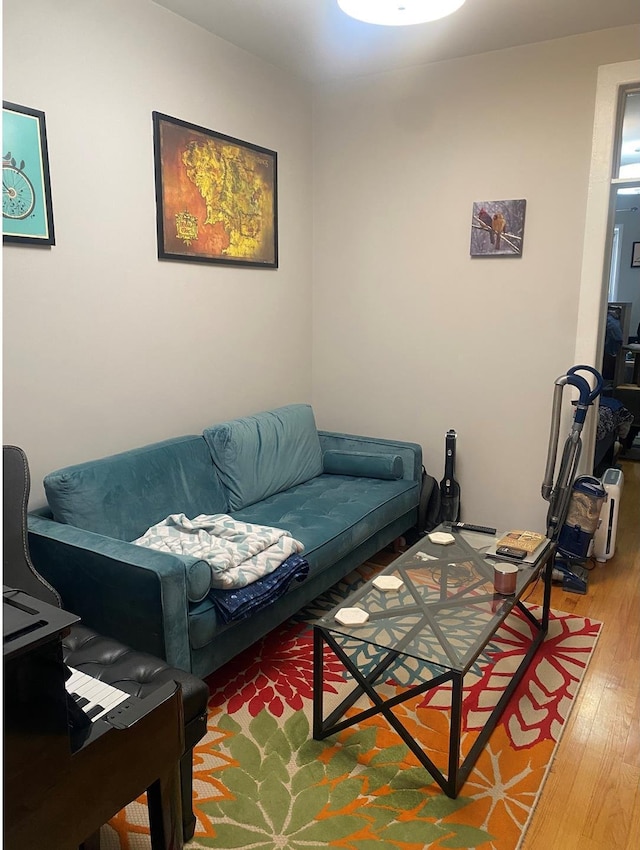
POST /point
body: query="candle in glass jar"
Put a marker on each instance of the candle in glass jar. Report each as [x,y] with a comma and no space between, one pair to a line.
[504,578]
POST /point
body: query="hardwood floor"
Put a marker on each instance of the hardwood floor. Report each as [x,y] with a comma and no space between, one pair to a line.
[591,799]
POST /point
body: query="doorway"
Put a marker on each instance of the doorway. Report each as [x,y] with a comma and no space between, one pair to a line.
[620,402]
[604,182]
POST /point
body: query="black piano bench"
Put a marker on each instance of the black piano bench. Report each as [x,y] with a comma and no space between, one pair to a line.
[139,673]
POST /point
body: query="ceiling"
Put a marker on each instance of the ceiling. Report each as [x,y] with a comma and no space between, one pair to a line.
[316,41]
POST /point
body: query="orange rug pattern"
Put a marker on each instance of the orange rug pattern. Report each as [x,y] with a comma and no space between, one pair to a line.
[262,782]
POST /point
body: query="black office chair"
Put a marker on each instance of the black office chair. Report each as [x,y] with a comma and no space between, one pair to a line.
[137,673]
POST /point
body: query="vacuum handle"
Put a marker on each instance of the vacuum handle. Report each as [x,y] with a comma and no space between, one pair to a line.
[588,395]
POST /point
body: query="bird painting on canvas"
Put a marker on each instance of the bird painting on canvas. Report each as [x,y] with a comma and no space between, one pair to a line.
[497,228]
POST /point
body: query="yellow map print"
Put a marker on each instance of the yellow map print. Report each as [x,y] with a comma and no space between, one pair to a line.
[237,188]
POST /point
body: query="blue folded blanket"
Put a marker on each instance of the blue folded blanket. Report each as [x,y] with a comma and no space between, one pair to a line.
[241,602]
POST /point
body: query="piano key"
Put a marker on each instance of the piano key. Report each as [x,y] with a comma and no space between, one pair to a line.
[100,697]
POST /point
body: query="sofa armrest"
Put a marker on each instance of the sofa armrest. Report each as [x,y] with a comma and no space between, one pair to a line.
[411,453]
[130,593]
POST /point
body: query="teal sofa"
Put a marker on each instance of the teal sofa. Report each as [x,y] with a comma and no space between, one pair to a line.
[343,496]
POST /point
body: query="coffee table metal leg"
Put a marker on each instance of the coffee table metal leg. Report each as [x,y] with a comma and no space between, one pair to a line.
[457,771]
[322,728]
[548,579]
[480,742]
[455,735]
[318,686]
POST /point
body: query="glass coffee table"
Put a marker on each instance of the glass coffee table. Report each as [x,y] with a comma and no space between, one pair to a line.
[444,613]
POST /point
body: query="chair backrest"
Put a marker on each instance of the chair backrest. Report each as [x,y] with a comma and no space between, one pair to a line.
[18,570]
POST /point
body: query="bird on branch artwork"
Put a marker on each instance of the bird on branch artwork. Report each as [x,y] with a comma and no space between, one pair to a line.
[497,228]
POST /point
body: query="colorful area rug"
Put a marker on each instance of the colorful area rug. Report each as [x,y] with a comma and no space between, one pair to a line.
[262,782]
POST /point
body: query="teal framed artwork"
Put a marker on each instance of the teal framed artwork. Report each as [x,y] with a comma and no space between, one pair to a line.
[27,214]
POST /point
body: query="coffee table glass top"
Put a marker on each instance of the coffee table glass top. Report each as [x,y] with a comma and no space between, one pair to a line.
[444,612]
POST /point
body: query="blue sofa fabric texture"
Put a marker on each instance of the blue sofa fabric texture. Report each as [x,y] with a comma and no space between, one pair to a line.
[363,464]
[173,476]
[264,454]
[270,469]
[331,515]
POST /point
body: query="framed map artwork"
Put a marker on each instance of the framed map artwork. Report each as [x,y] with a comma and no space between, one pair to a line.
[27,214]
[216,196]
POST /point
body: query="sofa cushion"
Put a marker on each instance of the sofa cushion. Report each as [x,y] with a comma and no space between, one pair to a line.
[123,495]
[363,464]
[260,455]
[333,514]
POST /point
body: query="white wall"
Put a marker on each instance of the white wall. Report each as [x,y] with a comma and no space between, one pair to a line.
[412,336]
[105,347]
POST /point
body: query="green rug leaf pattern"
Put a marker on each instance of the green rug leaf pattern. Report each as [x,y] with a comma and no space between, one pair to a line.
[261,782]
[289,792]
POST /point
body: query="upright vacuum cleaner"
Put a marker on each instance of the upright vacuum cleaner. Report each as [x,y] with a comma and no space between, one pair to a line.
[574,503]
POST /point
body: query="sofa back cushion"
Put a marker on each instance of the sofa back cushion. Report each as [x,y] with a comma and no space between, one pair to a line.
[123,495]
[260,455]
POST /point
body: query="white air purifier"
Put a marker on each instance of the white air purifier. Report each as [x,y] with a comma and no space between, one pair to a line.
[604,540]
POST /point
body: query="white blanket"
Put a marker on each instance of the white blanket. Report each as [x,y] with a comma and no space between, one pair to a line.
[237,552]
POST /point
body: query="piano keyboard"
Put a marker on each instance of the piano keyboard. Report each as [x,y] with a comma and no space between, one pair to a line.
[94,697]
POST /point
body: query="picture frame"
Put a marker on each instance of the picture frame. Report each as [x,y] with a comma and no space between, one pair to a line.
[27,211]
[635,256]
[497,228]
[216,196]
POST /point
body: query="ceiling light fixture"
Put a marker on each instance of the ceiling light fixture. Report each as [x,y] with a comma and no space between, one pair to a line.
[399,13]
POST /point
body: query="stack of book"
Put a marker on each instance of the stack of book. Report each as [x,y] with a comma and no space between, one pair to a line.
[531,542]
